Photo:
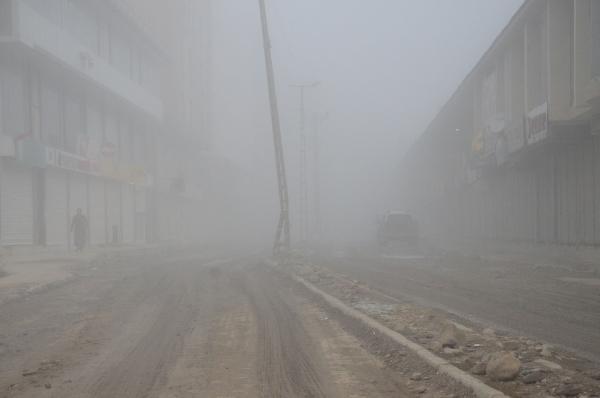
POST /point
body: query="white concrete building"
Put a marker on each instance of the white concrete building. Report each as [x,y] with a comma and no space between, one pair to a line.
[80,109]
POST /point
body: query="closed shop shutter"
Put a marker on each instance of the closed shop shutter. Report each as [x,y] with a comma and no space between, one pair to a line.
[17,206]
[140,215]
[56,207]
[97,218]
[113,198]
[128,213]
[78,195]
[165,217]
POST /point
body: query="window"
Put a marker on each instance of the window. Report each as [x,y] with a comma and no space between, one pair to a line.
[150,78]
[125,132]
[517,78]
[103,46]
[110,144]
[74,123]
[120,52]
[94,129]
[139,144]
[136,66]
[536,61]
[13,104]
[51,115]
[595,36]
[5,17]
[81,24]
[50,9]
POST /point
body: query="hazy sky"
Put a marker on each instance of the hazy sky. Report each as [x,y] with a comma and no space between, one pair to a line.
[385,67]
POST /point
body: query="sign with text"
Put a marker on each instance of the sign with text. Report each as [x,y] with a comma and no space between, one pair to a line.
[537,124]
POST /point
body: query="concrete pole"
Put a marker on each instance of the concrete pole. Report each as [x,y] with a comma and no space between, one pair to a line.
[282,236]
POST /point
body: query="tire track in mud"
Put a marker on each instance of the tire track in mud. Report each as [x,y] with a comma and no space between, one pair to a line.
[288,364]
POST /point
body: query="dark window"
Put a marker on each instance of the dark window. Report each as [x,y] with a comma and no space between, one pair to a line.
[536,61]
[50,9]
[74,123]
[595,36]
[51,109]
[13,104]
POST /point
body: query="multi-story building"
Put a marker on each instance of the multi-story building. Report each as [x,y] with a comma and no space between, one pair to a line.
[86,110]
[182,30]
[514,154]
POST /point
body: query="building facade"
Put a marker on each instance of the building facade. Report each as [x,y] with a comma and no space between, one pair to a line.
[82,109]
[182,30]
[514,154]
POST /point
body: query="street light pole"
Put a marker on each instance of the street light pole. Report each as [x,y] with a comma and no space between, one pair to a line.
[319,117]
[304,208]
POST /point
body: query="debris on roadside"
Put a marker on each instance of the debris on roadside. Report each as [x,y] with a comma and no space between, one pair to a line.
[517,365]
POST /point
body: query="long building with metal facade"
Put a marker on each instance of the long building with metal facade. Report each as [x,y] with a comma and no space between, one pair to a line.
[514,154]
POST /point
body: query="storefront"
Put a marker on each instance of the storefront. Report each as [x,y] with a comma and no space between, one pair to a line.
[16,209]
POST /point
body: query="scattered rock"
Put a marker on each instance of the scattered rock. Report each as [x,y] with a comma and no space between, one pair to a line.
[29,373]
[546,350]
[503,366]
[48,386]
[567,390]
[451,337]
[595,374]
[416,376]
[511,345]
[421,390]
[534,377]
[479,369]
[548,364]
[489,332]
[451,351]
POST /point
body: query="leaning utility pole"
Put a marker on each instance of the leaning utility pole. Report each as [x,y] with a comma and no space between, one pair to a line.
[282,236]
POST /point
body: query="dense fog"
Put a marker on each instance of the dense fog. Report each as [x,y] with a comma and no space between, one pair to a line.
[384,68]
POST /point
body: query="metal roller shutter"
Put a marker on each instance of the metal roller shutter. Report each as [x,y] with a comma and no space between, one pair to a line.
[140,215]
[113,203]
[17,206]
[57,229]
[97,218]
[128,213]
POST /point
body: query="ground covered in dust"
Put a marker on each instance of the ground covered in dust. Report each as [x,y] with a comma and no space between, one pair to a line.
[195,325]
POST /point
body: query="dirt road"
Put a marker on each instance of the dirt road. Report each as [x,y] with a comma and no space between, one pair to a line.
[554,304]
[208,327]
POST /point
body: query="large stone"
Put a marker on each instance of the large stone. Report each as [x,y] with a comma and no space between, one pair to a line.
[568,390]
[451,336]
[534,377]
[546,350]
[503,366]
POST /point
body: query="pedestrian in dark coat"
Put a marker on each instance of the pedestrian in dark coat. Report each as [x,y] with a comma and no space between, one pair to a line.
[79,227]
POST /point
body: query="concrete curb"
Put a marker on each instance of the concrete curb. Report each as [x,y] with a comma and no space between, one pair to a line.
[479,388]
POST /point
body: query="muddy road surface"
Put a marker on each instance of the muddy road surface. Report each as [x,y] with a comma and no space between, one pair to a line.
[554,304]
[204,327]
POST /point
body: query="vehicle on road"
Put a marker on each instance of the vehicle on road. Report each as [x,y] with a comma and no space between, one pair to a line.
[397,227]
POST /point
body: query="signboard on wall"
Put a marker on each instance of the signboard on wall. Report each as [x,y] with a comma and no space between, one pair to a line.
[537,124]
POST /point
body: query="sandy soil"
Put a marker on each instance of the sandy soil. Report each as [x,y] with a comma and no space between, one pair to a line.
[207,326]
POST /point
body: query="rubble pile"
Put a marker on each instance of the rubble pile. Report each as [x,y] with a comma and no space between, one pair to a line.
[516,365]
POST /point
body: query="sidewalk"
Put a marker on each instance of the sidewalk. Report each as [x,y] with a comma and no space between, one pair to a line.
[27,269]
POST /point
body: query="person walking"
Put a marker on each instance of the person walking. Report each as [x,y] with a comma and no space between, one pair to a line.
[79,227]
